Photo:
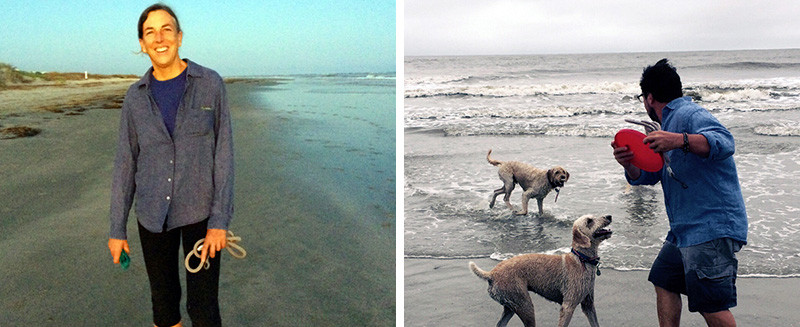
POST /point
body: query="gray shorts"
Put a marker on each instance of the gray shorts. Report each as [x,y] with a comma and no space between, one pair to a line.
[706,273]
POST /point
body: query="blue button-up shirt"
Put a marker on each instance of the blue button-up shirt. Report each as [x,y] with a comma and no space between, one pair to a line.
[712,206]
[178,180]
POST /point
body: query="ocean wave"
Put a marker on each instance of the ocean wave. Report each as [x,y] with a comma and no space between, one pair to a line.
[532,129]
[553,121]
[514,113]
[745,95]
[447,257]
[435,80]
[378,76]
[748,65]
[777,129]
[768,276]
[534,90]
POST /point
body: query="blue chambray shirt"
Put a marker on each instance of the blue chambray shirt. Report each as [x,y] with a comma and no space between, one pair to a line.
[712,207]
[178,180]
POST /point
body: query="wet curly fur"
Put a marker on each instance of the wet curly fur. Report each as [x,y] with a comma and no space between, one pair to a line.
[563,279]
[535,182]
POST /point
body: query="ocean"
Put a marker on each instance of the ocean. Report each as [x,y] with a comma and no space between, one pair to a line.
[348,135]
[564,110]
[316,197]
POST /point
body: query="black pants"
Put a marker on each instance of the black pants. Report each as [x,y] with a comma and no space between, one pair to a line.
[160,251]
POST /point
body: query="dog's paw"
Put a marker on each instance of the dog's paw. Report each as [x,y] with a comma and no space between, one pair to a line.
[520,213]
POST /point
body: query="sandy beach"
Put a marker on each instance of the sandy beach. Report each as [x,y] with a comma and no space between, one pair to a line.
[308,263]
[446,293]
[29,105]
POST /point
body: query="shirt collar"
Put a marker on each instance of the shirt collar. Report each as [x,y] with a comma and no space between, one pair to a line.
[192,70]
[674,105]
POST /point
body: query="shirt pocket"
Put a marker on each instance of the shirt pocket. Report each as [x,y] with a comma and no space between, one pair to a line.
[200,120]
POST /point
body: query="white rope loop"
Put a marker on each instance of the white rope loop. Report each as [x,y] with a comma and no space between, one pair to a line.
[234,249]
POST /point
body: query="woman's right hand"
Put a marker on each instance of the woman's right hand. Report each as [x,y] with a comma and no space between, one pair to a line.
[116,246]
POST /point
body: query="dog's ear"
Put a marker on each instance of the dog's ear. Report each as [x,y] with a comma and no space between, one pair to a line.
[580,240]
[566,172]
[551,175]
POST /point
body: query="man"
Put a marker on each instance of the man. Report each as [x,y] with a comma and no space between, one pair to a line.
[706,212]
[175,155]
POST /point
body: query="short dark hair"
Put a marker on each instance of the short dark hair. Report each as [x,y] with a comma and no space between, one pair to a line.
[158,6]
[662,81]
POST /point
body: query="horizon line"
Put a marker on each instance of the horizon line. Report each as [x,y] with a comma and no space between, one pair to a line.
[592,52]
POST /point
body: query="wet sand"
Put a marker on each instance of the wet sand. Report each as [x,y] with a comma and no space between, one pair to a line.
[447,293]
[309,263]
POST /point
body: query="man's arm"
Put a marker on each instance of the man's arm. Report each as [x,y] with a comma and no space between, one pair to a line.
[661,141]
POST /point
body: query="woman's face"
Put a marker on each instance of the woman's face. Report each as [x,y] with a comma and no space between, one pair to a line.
[161,39]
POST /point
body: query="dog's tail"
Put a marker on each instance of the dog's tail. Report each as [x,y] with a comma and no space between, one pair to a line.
[492,161]
[479,272]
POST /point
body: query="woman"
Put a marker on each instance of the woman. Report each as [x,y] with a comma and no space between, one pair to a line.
[175,156]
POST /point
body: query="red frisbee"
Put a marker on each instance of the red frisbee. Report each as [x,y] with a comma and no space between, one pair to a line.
[643,156]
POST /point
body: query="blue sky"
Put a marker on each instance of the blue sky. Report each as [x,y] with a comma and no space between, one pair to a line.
[234,38]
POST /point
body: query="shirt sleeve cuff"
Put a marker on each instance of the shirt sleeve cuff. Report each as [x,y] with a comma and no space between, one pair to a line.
[219,222]
[634,181]
[118,234]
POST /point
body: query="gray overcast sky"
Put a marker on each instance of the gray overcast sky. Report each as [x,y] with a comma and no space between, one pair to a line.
[486,27]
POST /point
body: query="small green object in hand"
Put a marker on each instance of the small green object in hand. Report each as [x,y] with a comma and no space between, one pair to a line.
[124,260]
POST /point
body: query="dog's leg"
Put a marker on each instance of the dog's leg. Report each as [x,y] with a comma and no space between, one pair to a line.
[497,192]
[508,188]
[588,309]
[567,309]
[526,196]
[540,201]
[508,313]
[522,305]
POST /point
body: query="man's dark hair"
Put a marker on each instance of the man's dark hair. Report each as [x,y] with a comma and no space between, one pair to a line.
[158,6]
[662,81]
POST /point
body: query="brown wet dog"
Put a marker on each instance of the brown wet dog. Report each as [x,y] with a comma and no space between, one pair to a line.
[567,279]
[535,182]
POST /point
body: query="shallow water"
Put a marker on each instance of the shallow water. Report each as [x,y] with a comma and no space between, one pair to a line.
[327,212]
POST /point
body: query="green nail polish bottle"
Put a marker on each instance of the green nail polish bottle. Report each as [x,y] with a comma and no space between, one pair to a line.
[124,260]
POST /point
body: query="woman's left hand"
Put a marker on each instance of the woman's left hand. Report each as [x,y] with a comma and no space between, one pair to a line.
[216,240]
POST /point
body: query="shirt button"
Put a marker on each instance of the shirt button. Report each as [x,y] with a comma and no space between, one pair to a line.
[169,179]
[167,198]
[171,161]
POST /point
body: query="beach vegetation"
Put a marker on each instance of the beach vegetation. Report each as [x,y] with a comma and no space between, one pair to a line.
[260,81]
[11,76]
[18,131]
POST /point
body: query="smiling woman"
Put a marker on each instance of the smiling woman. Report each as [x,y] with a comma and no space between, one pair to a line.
[160,37]
[179,167]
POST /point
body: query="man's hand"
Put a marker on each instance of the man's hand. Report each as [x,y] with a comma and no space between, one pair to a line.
[116,246]
[624,155]
[216,240]
[661,141]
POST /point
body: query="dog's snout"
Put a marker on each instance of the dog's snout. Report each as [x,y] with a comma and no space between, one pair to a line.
[608,217]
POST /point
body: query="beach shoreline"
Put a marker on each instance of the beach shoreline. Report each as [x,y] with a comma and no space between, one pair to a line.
[444,292]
